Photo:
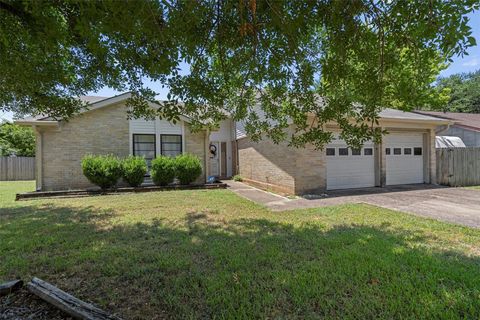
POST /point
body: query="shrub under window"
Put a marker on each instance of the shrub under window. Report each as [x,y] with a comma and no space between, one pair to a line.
[103,171]
[163,170]
[134,169]
[188,168]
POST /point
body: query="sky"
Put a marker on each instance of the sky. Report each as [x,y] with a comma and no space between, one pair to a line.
[472,61]
[467,63]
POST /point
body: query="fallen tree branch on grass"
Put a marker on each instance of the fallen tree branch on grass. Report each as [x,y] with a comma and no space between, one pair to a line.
[66,302]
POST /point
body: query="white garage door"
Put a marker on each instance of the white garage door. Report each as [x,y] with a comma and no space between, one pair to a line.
[404,153]
[348,168]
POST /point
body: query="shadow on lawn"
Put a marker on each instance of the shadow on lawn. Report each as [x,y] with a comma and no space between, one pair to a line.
[206,266]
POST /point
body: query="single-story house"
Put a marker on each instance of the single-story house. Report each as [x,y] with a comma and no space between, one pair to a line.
[466,126]
[405,156]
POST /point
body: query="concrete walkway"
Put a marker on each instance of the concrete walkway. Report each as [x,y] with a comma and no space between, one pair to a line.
[456,205]
[259,196]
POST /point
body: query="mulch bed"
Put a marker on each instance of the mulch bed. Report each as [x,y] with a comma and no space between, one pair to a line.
[22,305]
[86,193]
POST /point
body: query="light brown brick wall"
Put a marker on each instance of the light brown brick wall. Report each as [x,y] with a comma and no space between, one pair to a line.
[102,131]
[195,144]
[298,170]
[311,174]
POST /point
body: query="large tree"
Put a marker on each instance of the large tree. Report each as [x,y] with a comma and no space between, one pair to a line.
[463,90]
[16,140]
[330,59]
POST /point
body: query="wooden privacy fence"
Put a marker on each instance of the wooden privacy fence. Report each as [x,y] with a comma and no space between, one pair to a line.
[17,168]
[458,167]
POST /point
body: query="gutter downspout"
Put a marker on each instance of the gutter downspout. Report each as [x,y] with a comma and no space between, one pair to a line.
[39,159]
[444,128]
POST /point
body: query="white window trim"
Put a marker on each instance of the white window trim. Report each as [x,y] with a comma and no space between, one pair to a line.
[157,132]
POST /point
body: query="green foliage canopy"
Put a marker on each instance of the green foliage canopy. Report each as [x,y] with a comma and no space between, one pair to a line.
[16,140]
[463,90]
[359,56]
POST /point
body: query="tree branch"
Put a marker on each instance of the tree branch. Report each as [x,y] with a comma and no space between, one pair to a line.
[24,16]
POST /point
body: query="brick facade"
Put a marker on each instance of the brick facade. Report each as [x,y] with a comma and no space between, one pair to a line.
[195,144]
[297,171]
[102,131]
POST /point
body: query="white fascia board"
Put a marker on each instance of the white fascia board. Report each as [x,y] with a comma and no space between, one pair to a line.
[37,122]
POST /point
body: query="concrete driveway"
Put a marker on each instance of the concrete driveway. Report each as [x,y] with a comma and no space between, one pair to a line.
[456,205]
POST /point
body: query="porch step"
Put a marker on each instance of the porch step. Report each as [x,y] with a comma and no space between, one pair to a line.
[147,182]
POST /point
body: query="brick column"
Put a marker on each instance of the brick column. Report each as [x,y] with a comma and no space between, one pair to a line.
[432,161]
[380,164]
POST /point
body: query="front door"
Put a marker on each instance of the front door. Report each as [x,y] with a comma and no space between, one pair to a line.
[214,158]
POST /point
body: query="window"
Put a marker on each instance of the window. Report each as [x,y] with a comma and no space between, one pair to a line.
[330,151]
[367,151]
[397,151]
[343,151]
[144,145]
[356,152]
[407,151]
[417,151]
[387,151]
[171,145]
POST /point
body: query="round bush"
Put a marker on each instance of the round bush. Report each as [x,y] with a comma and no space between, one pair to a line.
[103,171]
[163,170]
[188,168]
[134,169]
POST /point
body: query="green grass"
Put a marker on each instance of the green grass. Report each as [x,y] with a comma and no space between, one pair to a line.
[473,187]
[8,190]
[212,254]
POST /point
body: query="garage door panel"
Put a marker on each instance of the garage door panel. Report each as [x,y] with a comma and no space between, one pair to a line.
[404,158]
[350,171]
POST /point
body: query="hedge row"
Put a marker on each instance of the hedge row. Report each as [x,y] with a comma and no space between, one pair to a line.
[105,170]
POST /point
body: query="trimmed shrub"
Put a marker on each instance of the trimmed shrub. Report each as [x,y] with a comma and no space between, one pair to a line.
[188,168]
[237,177]
[163,170]
[103,171]
[134,169]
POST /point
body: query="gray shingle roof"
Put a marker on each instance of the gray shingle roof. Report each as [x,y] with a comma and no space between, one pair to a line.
[402,115]
[466,120]
[92,99]
[87,99]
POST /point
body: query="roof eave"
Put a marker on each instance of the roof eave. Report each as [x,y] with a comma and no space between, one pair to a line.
[424,121]
[91,107]
[33,123]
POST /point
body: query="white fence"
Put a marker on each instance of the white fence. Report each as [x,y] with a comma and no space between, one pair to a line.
[17,168]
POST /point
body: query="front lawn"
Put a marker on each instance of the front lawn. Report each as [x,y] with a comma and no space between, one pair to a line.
[474,187]
[212,254]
